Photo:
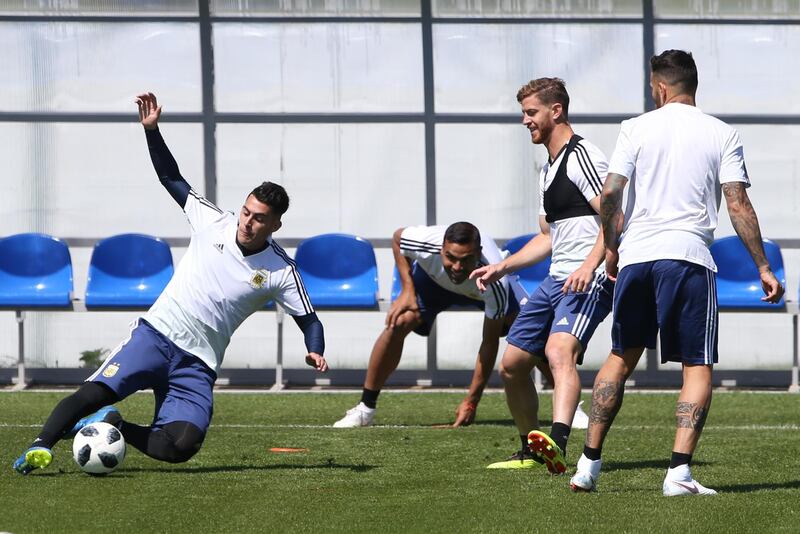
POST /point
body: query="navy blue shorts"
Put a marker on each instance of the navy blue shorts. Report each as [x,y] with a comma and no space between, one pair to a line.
[549,311]
[433,299]
[182,383]
[673,298]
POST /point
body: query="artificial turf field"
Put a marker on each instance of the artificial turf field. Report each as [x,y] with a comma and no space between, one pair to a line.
[404,475]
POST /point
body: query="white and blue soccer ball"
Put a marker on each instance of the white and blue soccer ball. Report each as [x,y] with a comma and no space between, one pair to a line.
[98,448]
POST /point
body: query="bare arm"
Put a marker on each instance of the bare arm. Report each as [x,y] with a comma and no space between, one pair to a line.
[484,365]
[407,300]
[534,251]
[745,222]
[582,278]
[612,219]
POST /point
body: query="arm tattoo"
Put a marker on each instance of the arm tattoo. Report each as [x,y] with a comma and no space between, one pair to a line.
[691,415]
[745,221]
[611,217]
[606,401]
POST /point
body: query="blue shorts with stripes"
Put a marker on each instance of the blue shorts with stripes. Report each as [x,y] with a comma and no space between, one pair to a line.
[182,383]
[549,311]
[676,299]
[433,299]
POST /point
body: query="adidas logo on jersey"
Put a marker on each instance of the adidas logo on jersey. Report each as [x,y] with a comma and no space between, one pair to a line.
[219,247]
[563,322]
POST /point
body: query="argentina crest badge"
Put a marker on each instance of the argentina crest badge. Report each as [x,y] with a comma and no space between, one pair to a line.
[259,278]
[111,370]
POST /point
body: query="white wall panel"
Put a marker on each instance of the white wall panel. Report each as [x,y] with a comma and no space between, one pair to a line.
[326,68]
[92,180]
[742,69]
[339,177]
[480,67]
[98,67]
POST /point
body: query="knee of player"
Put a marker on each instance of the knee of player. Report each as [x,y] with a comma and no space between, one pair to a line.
[183,450]
[407,322]
[516,365]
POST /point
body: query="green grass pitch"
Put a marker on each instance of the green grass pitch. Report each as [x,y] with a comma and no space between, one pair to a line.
[406,476]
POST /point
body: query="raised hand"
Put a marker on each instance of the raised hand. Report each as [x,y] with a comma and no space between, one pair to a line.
[149,110]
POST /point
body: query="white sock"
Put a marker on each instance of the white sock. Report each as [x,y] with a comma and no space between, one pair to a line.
[593,466]
[682,472]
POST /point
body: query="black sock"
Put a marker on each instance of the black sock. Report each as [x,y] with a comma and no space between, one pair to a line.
[89,398]
[370,397]
[591,453]
[524,439]
[679,458]
[560,434]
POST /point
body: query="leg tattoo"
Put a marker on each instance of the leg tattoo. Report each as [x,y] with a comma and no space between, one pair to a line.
[606,401]
[691,415]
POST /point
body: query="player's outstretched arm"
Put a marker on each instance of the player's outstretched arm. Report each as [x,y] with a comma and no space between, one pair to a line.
[745,222]
[165,165]
[534,251]
[314,338]
[484,365]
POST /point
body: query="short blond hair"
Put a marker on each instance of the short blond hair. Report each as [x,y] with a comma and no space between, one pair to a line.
[549,91]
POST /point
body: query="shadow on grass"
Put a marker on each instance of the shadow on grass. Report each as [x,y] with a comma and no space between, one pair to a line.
[123,472]
[661,463]
[748,488]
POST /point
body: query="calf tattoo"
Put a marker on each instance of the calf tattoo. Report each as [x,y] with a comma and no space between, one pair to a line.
[691,415]
[606,401]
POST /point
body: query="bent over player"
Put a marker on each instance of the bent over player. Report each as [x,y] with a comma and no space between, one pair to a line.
[443,257]
[231,269]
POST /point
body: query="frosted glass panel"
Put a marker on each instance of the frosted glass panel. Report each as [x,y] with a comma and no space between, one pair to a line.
[489,174]
[315,8]
[773,163]
[480,68]
[97,67]
[318,67]
[92,180]
[162,8]
[742,68]
[364,179]
[712,9]
[537,8]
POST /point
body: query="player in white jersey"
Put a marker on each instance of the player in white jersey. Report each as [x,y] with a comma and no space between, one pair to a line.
[677,159]
[559,319]
[434,263]
[231,269]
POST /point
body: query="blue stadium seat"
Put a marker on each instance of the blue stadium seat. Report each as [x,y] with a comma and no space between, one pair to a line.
[530,277]
[35,271]
[128,271]
[339,271]
[738,282]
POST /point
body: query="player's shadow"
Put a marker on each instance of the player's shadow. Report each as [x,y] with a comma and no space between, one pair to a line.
[660,463]
[360,468]
[748,488]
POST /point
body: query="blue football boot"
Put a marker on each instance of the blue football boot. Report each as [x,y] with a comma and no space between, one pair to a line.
[33,458]
[106,414]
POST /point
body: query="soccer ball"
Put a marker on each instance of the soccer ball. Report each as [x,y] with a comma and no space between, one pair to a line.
[98,448]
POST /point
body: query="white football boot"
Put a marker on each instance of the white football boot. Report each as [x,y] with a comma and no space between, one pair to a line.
[361,415]
[679,481]
[585,479]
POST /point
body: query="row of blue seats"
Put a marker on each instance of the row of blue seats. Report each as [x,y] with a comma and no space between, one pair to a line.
[339,271]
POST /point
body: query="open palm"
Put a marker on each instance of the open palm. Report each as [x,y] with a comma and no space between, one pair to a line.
[149,110]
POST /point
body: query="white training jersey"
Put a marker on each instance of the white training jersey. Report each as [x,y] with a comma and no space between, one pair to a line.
[676,159]
[215,287]
[424,245]
[573,238]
